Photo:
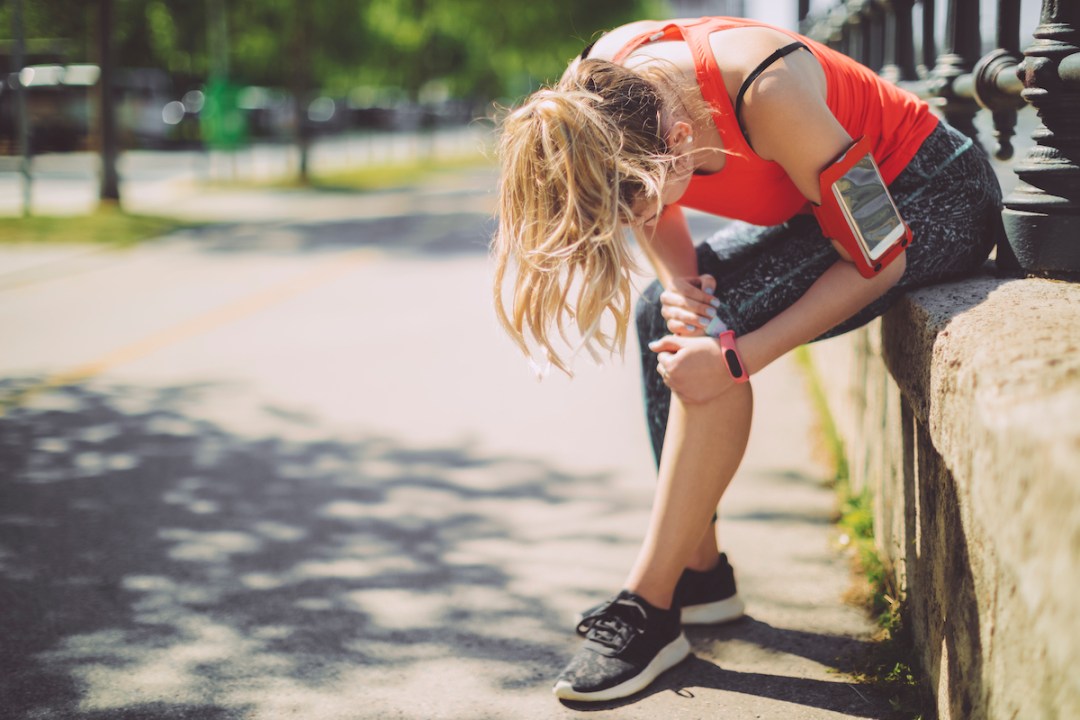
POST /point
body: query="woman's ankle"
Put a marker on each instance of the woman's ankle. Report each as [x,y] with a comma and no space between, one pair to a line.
[655,596]
[707,554]
[704,564]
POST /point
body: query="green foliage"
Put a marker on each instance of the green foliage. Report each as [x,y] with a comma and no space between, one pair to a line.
[474,48]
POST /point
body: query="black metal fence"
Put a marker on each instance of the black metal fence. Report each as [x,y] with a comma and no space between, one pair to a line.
[1042,214]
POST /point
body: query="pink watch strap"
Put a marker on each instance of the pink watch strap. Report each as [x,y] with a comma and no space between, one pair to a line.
[732,358]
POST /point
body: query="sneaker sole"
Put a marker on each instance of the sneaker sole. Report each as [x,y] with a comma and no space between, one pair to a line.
[672,654]
[721,611]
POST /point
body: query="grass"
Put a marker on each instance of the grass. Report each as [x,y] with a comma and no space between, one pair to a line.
[891,666]
[372,177]
[108,225]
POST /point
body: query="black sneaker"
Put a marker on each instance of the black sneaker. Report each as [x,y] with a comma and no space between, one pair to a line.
[709,597]
[706,598]
[628,644]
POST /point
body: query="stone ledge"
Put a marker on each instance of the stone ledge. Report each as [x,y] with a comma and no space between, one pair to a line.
[961,414]
[1007,349]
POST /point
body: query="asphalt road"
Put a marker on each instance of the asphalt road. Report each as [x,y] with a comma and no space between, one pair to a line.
[286,465]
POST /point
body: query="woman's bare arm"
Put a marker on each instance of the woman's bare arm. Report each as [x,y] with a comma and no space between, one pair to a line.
[789,123]
[668,246]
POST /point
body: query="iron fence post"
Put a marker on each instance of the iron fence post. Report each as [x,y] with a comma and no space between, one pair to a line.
[1042,215]
[929,40]
[962,49]
[899,42]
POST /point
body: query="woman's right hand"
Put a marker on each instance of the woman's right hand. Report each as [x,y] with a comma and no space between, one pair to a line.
[688,305]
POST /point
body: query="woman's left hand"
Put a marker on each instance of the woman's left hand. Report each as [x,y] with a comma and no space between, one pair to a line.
[693,367]
[688,305]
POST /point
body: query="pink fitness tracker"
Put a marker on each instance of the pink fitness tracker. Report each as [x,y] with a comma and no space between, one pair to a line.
[734,361]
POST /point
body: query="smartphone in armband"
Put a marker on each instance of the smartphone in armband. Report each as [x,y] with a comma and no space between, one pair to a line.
[859,213]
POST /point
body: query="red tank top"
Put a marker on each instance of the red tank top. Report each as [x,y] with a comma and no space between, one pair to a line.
[760,191]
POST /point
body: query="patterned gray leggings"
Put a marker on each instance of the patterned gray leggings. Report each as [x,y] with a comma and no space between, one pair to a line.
[949,196]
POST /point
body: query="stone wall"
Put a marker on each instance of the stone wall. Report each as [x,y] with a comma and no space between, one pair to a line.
[960,411]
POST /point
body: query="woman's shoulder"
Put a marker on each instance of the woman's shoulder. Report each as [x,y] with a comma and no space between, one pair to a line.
[611,42]
[740,49]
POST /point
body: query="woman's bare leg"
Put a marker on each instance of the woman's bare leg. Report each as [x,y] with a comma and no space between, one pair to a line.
[707,553]
[703,447]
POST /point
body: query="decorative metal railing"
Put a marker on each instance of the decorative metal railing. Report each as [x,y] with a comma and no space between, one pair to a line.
[1042,214]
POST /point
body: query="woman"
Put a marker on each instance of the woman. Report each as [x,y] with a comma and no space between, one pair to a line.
[738,119]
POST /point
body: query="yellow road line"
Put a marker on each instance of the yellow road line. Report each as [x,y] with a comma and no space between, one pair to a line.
[218,317]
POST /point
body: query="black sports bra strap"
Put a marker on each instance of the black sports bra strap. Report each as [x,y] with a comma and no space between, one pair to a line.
[786,50]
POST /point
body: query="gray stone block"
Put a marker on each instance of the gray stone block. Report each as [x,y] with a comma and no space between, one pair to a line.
[961,412]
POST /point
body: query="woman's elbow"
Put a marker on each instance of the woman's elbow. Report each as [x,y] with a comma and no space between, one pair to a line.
[895,270]
[889,276]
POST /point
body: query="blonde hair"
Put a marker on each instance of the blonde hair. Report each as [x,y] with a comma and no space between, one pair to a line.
[574,159]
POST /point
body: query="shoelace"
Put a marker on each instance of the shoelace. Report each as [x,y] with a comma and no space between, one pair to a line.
[588,619]
[613,623]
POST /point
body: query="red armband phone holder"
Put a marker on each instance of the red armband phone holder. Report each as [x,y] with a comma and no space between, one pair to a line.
[857,211]
[732,358]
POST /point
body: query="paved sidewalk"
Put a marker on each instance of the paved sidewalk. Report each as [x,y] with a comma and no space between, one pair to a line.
[338,494]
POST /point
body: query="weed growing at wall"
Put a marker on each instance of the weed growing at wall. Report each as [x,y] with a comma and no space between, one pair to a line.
[892,665]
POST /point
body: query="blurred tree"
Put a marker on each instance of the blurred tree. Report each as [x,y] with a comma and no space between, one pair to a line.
[485,49]
[66,20]
[475,49]
[109,191]
[302,45]
[479,48]
[163,34]
[21,117]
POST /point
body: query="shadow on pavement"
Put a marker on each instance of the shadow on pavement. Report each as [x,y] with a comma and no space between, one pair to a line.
[416,220]
[836,696]
[442,234]
[832,651]
[154,564]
